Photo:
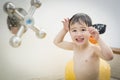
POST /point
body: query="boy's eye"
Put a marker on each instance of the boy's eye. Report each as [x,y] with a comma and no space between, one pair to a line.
[83,29]
[74,30]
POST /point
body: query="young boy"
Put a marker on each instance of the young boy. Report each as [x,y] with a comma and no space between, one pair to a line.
[14,23]
[86,55]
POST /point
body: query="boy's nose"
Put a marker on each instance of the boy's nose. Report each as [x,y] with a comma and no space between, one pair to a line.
[79,33]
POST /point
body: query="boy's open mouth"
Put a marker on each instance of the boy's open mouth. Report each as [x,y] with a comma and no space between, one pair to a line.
[80,39]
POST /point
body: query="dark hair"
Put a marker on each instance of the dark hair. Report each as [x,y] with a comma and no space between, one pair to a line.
[80,17]
[13,21]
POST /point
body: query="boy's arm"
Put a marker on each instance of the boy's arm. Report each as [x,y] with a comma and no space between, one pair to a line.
[103,50]
[58,41]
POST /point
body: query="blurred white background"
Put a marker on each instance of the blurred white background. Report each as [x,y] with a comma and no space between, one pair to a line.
[40,58]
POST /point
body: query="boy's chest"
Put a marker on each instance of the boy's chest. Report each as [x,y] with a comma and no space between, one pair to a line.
[86,63]
[85,58]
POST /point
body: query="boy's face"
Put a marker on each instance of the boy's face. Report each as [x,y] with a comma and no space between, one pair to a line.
[14,30]
[79,33]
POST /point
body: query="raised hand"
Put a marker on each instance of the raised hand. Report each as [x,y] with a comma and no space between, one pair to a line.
[66,23]
[94,32]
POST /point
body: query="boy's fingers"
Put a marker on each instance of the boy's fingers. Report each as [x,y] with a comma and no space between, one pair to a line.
[63,22]
[92,30]
[64,19]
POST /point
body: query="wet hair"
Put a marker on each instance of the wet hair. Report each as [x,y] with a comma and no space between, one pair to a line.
[13,21]
[80,17]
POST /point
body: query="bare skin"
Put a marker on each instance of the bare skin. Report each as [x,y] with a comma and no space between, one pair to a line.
[86,55]
[14,30]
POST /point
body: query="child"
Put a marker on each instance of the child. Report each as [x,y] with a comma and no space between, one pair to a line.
[14,23]
[86,55]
